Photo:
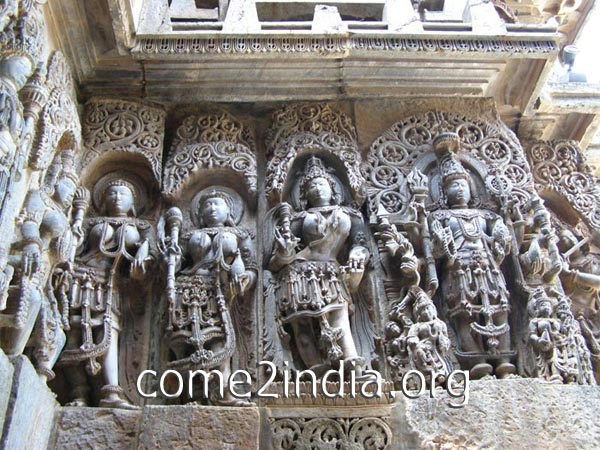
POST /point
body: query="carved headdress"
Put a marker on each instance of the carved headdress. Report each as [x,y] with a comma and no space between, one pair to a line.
[421,301]
[120,178]
[446,145]
[315,168]
[538,297]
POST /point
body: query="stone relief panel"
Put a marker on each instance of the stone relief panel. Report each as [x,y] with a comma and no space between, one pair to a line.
[209,251]
[455,215]
[322,432]
[570,191]
[103,294]
[316,252]
[124,126]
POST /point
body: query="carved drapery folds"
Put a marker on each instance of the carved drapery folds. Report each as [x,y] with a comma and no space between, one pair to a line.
[209,249]
[210,143]
[119,126]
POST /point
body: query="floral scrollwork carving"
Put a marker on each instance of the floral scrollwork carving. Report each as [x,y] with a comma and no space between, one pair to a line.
[213,141]
[397,151]
[321,432]
[559,167]
[123,126]
[299,129]
[59,116]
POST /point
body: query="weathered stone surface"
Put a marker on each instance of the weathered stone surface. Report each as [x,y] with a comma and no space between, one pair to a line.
[516,413]
[199,427]
[31,408]
[6,374]
[96,428]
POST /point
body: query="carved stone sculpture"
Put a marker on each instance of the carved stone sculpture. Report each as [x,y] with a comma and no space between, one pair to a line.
[103,286]
[471,244]
[50,225]
[417,335]
[314,284]
[553,339]
[218,269]
[581,282]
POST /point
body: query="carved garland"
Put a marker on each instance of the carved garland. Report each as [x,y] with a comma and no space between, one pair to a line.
[209,142]
[393,155]
[560,166]
[300,128]
[122,126]
[368,432]
[59,115]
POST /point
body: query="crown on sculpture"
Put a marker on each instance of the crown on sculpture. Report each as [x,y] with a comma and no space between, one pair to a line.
[538,297]
[421,302]
[216,193]
[446,146]
[314,168]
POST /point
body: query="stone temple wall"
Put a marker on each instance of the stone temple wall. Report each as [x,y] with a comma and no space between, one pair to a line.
[417,253]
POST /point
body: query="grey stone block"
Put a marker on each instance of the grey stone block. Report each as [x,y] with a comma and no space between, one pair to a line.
[31,407]
[96,428]
[516,413]
[6,376]
[199,427]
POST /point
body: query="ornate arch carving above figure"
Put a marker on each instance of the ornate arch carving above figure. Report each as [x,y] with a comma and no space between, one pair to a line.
[207,143]
[489,150]
[59,115]
[124,127]
[560,169]
[311,129]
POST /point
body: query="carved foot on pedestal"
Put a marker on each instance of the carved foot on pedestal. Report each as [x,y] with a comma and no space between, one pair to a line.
[481,370]
[77,402]
[113,397]
[506,369]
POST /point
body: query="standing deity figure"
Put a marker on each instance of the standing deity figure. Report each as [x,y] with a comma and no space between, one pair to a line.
[319,258]
[50,228]
[420,337]
[556,353]
[217,270]
[471,244]
[105,279]
[15,68]
[581,281]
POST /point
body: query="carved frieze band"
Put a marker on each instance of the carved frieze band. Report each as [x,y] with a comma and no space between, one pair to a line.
[560,166]
[230,45]
[300,433]
[123,126]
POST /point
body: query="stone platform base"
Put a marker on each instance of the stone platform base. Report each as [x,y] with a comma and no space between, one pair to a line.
[518,413]
[27,416]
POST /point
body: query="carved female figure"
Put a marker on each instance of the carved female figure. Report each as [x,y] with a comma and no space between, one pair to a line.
[320,261]
[556,355]
[108,269]
[471,244]
[217,270]
[427,338]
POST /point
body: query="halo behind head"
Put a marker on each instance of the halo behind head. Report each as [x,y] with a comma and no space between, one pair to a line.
[231,198]
[121,178]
